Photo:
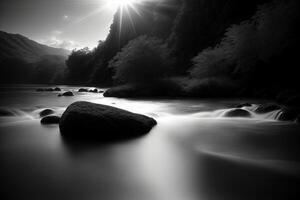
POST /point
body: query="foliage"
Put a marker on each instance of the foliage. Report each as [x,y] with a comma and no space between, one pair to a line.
[211,62]
[143,59]
[78,65]
[202,23]
[257,51]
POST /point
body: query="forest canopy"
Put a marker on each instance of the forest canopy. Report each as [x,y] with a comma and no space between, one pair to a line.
[243,44]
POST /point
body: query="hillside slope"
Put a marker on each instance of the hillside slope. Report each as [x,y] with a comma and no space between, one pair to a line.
[18,46]
[25,61]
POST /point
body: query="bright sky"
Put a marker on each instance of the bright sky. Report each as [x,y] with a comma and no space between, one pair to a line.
[59,23]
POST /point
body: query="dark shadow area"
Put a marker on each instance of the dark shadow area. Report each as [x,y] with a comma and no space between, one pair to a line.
[233,179]
[83,145]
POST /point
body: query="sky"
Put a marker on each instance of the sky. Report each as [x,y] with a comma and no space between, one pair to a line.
[59,23]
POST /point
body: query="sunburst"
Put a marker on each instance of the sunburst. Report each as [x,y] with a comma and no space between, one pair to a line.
[116,4]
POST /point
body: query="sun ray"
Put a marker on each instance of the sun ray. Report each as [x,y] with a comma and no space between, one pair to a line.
[120,23]
[131,20]
[136,10]
[115,4]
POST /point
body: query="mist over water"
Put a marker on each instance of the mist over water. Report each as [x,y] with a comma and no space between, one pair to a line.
[195,152]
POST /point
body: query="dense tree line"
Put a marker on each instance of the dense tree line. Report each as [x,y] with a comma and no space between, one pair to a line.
[259,53]
[152,19]
[209,47]
[151,53]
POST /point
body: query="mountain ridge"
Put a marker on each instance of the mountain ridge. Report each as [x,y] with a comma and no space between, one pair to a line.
[19,46]
[23,60]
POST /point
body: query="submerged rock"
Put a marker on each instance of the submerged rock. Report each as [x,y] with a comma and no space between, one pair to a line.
[83,90]
[57,89]
[84,120]
[51,119]
[49,90]
[268,107]
[237,113]
[94,91]
[46,112]
[66,94]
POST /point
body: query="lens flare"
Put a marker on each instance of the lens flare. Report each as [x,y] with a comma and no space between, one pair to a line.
[115,4]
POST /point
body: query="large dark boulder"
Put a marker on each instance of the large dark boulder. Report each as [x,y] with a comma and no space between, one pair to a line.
[51,119]
[84,120]
[46,112]
[237,112]
[268,107]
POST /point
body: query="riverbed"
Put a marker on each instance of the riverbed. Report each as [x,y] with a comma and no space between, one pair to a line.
[194,152]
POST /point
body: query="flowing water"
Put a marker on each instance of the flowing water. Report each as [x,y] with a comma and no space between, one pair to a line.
[194,152]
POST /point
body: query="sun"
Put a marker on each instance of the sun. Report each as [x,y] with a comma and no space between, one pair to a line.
[115,4]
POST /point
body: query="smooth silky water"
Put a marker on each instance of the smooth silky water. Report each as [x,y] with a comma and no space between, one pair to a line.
[193,153]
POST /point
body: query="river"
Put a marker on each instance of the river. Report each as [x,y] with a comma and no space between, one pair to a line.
[194,153]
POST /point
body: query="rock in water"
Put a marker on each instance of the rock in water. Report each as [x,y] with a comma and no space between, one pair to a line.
[237,113]
[49,90]
[46,112]
[57,89]
[83,90]
[94,91]
[84,120]
[67,94]
[51,119]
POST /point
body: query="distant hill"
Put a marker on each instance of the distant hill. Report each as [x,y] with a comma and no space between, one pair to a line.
[18,46]
[25,61]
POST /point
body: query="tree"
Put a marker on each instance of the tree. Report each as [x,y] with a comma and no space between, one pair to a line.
[49,69]
[261,51]
[78,65]
[143,59]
